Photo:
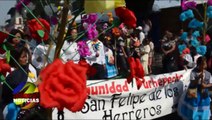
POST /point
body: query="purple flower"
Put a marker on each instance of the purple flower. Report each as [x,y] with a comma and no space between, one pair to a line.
[83,49]
[92,32]
[209,2]
[19,5]
[90,19]
[185,4]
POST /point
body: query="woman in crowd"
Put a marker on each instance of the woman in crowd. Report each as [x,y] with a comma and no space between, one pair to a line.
[44,54]
[23,72]
[168,47]
[97,58]
[147,26]
[15,37]
[151,55]
[111,70]
[195,104]
[110,63]
[121,52]
[70,48]
[145,55]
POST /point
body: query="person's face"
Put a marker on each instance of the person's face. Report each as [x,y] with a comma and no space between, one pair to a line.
[74,34]
[23,60]
[203,65]
[16,39]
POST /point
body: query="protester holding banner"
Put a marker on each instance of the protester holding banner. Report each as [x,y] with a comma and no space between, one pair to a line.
[196,101]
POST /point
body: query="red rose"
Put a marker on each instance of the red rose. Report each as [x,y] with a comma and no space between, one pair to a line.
[91,71]
[126,16]
[3,36]
[4,67]
[35,26]
[136,71]
[63,86]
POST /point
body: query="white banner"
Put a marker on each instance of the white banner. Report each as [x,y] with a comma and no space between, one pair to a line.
[117,100]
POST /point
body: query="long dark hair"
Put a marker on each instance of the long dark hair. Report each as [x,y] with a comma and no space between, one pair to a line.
[16,54]
[200,62]
[14,32]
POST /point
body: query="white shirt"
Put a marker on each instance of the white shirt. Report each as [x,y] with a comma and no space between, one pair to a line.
[33,71]
[94,50]
[189,59]
[70,50]
[196,57]
[141,37]
[41,51]
[206,77]
[146,49]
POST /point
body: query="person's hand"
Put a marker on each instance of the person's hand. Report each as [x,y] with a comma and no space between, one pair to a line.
[204,85]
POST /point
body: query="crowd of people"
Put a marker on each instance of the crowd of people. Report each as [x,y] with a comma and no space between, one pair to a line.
[107,53]
[182,51]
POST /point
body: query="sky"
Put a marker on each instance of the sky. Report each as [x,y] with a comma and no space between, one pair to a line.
[5,5]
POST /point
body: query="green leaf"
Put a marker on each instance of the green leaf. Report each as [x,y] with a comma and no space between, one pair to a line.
[8,56]
[2,78]
[5,47]
[7,53]
[41,33]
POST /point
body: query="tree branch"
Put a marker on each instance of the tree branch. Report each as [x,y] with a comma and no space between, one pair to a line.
[60,38]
